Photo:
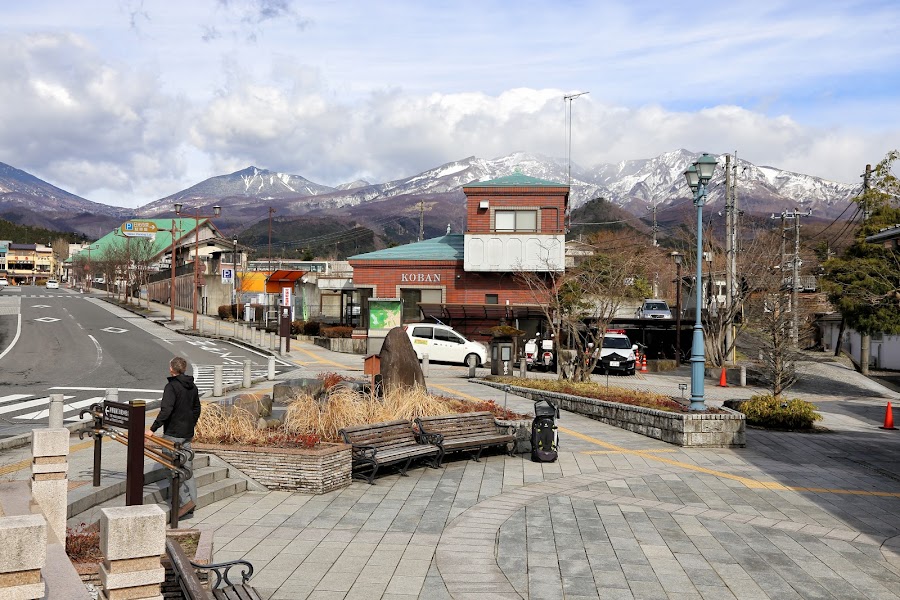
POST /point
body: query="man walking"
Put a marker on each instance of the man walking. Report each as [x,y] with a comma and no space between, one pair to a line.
[178,414]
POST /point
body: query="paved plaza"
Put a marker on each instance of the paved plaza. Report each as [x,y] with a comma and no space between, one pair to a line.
[618,515]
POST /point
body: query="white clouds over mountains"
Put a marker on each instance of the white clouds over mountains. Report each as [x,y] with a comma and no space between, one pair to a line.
[147,102]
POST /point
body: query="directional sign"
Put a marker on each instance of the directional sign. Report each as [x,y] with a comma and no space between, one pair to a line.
[116,414]
[145,229]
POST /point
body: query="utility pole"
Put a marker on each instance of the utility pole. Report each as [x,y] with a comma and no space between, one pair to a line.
[568,99]
[795,269]
[866,178]
[421,220]
[735,218]
[865,339]
[271,212]
[729,253]
[653,208]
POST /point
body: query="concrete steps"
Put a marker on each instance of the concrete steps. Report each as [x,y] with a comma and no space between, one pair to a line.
[215,481]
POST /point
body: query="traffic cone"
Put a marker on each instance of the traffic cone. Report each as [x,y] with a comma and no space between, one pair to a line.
[888,418]
[723,380]
[643,363]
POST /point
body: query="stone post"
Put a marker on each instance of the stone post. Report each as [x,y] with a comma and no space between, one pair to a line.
[132,539]
[425,364]
[743,382]
[247,381]
[217,381]
[271,375]
[523,368]
[55,420]
[24,555]
[49,469]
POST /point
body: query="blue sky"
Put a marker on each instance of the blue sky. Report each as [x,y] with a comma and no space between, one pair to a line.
[127,101]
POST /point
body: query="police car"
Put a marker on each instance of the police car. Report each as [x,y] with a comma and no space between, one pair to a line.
[617,354]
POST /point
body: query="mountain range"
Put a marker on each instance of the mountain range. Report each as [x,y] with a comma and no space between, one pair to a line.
[392,209]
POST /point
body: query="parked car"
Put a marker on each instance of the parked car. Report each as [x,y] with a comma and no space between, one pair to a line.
[99,280]
[441,343]
[617,354]
[4,282]
[654,309]
[52,284]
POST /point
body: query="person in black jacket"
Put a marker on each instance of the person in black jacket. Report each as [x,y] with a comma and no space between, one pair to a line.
[178,414]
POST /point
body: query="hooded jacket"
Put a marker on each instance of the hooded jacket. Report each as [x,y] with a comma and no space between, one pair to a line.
[180,408]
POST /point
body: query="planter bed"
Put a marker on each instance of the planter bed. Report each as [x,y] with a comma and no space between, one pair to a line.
[316,470]
[693,430]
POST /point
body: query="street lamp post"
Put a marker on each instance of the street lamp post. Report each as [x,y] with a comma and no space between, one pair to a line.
[677,257]
[217,210]
[698,176]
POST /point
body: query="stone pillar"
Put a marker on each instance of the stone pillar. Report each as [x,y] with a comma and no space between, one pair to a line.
[49,469]
[247,379]
[217,380]
[56,411]
[271,374]
[132,540]
[24,555]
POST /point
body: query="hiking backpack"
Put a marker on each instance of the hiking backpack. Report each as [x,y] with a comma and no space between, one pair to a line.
[544,437]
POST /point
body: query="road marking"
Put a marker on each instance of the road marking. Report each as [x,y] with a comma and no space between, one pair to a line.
[16,338]
[654,450]
[43,414]
[41,306]
[13,398]
[23,464]
[47,319]
[29,404]
[747,481]
[114,330]
[100,389]
[319,359]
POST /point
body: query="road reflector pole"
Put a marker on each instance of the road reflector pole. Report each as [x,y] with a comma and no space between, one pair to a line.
[247,382]
[56,411]
[271,375]
[217,381]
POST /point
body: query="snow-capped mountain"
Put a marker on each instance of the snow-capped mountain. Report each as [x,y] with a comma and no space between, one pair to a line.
[248,186]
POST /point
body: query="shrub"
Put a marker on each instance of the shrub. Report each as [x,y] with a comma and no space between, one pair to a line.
[297,326]
[777,413]
[311,328]
[339,331]
[83,544]
[225,311]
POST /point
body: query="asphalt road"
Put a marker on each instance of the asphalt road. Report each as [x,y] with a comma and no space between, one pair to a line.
[79,345]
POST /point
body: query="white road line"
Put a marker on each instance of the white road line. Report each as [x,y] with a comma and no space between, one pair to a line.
[101,389]
[13,398]
[15,339]
[43,414]
[99,351]
[29,404]
[266,356]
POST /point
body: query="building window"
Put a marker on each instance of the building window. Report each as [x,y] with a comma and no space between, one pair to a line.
[491,299]
[411,299]
[515,220]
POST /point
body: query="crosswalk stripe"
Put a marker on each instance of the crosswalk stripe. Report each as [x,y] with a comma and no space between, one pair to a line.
[13,398]
[29,404]
[43,414]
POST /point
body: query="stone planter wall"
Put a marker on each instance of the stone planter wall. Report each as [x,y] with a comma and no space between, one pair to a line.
[722,430]
[316,470]
[345,345]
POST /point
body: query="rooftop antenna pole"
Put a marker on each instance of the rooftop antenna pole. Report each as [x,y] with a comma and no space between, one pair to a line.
[568,99]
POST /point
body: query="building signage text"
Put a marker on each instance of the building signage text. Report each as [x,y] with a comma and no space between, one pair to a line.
[420,277]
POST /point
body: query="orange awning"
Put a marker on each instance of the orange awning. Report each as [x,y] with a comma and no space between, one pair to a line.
[282,278]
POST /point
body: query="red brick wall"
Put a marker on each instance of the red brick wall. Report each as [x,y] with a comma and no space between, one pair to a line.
[459,286]
[551,201]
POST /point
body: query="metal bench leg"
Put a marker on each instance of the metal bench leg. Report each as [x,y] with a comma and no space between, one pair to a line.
[477,455]
[405,467]
[435,462]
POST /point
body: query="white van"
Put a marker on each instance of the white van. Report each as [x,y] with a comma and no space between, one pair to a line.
[443,344]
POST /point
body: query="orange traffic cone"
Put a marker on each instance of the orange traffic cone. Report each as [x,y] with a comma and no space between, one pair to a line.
[643,363]
[723,380]
[888,418]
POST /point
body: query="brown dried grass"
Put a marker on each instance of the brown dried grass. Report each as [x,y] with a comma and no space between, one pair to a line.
[218,425]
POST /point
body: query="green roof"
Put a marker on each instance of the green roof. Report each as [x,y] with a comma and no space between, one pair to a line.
[162,242]
[448,247]
[515,180]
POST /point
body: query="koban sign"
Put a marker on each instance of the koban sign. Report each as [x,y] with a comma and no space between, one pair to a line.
[420,277]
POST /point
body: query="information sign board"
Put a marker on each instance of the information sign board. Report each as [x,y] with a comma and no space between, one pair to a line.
[146,229]
[116,414]
[227,275]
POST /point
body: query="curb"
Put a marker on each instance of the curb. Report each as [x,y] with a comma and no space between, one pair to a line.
[23,439]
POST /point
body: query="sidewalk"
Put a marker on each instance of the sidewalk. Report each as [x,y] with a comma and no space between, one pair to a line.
[617,516]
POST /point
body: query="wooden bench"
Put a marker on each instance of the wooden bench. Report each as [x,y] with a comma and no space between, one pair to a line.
[392,442]
[221,587]
[473,431]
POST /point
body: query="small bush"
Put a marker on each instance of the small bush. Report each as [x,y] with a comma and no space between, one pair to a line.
[339,331]
[297,326]
[225,311]
[312,328]
[777,413]
[83,544]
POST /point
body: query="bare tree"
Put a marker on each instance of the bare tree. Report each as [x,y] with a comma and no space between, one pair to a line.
[143,253]
[579,303]
[60,249]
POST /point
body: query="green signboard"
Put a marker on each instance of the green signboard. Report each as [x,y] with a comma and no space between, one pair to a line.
[384,313]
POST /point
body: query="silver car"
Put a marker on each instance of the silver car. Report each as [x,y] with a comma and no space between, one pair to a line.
[654,309]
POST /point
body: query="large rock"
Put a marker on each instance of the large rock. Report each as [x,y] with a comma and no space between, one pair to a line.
[400,368]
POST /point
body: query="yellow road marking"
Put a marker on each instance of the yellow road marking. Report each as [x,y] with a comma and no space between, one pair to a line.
[22,464]
[318,359]
[747,481]
[657,451]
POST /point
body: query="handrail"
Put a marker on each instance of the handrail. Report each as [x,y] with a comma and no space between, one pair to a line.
[149,452]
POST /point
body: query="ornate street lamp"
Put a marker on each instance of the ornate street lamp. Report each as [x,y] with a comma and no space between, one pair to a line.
[217,210]
[698,176]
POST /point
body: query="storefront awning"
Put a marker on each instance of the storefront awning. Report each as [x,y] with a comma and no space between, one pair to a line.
[454,312]
[282,278]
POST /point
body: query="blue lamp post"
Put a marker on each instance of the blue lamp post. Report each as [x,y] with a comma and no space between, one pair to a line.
[698,176]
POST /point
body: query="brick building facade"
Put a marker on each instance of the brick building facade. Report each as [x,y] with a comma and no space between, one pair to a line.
[514,224]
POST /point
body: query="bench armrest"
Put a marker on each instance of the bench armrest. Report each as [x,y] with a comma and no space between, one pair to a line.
[424,437]
[365,452]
